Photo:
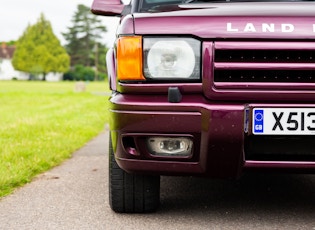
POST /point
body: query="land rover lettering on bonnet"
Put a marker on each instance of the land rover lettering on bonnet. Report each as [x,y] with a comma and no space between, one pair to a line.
[207,88]
[265,27]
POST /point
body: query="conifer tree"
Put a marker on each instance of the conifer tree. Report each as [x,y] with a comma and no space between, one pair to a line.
[83,39]
[38,50]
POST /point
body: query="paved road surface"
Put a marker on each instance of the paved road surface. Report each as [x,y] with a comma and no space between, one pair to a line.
[74,196]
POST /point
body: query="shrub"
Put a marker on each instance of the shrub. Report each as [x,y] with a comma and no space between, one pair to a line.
[82,73]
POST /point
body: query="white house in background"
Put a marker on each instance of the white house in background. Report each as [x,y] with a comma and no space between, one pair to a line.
[7,71]
[53,76]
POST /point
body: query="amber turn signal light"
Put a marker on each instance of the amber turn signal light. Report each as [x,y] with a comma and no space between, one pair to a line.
[129,58]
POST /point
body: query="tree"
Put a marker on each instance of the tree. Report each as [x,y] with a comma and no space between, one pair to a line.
[38,50]
[84,39]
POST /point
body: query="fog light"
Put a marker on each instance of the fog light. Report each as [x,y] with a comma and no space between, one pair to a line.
[170,146]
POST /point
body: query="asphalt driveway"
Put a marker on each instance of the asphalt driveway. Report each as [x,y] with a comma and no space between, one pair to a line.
[74,196]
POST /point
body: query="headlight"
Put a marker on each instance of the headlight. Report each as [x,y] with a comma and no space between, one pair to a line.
[151,58]
[171,58]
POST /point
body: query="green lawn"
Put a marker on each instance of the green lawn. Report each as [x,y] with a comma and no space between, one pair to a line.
[42,123]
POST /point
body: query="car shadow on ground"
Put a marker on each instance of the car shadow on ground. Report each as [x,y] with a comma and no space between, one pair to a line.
[253,195]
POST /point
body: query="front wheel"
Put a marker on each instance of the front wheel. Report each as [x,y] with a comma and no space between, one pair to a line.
[131,193]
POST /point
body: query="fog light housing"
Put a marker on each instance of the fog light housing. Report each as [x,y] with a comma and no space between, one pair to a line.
[170,146]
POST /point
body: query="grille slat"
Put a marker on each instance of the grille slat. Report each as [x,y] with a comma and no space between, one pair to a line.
[268,76]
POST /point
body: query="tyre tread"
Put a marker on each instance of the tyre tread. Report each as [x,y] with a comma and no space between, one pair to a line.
[131,193]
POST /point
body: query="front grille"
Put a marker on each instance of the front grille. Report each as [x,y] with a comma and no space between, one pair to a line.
[264,62]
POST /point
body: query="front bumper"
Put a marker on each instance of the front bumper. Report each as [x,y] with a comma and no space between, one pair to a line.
[218,130]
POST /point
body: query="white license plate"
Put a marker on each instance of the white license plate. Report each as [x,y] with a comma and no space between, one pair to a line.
[283,121]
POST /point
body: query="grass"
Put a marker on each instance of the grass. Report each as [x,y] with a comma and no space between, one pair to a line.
[42,124]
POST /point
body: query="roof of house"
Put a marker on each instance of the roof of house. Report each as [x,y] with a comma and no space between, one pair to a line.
[6,52]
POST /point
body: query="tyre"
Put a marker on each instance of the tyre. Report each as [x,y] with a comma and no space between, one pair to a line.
[131,193]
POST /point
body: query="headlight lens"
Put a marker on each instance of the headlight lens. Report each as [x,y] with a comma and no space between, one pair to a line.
[171,58]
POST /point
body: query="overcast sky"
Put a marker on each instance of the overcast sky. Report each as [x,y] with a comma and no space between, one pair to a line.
[15,15]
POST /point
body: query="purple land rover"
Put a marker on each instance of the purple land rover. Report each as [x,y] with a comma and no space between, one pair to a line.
[208,88]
